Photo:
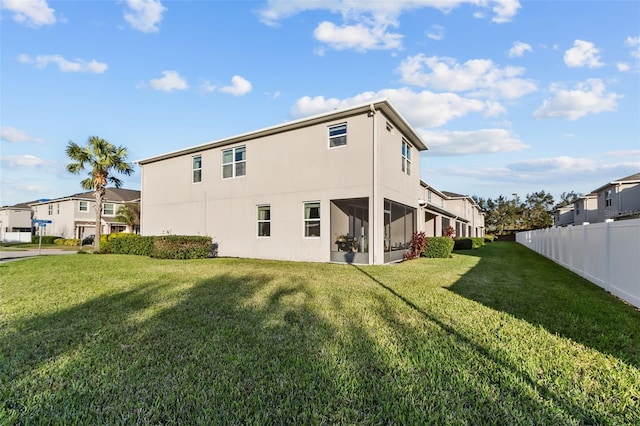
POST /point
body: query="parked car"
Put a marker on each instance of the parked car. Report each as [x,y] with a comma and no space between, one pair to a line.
[88,240]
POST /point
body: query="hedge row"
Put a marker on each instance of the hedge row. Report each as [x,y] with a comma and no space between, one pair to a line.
[66,241]
[468,243]
[46,239]
[162,247]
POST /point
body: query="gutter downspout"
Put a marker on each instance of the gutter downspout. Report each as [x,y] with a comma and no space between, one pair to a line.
[373,241]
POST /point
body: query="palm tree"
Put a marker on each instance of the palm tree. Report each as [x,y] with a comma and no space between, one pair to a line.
[129,214]
[101,158]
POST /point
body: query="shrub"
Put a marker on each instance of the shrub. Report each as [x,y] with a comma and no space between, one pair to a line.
[418,242]
[67,242]
[132,244]
[182,247]
[450,232]
[489,238]
[438,247]
[477,242]
[46,239]
[463,244]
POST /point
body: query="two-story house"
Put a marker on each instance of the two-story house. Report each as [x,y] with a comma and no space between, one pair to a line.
[585,209]
[341,186]
[74,216]
[15,223]
[443,209]
[619,199]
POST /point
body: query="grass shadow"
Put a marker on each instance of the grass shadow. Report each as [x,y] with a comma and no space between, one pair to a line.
[513,279]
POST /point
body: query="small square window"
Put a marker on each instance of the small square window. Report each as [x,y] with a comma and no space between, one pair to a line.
[338,135]
[234,162]
[108,209]
[83,206]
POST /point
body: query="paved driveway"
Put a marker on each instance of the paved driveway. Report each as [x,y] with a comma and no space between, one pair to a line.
[6,255]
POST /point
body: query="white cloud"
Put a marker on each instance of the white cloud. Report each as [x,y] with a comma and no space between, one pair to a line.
[33,13]
[23,161]
[11,134]
[634,44]
[589,97]
[366,23]
[436,33]
[381,11]
[358,37]
[64,65]
[144,15]
[169,81]
[421,109]
[623,66]
[479,77]
[207,86]
[472,142]
[239,86]
[519,48]
[583,54]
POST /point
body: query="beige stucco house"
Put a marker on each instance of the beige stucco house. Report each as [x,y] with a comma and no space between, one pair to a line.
[619,199]
[585,209]
[342,186]
[443,209]
[74,216]
[15,223]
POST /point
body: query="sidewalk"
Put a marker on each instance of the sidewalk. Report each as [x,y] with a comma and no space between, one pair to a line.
[6,255]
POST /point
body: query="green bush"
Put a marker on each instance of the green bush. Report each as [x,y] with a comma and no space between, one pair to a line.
[46,239]
[438,247]
[477,242]
[182,247]
[463,244]
[133,244]
[67,242]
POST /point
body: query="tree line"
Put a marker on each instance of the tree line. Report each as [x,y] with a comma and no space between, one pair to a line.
[505,215]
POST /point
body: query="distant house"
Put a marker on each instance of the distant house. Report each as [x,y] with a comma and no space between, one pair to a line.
[74,216]
[619,199]
[585,209]
[444,209]
[15,223]
[563,215]
[342,186]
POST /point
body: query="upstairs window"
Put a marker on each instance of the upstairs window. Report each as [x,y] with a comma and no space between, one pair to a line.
[50,209]
[338,135]
[406,157]
[234,162]
[197,169]
[312,219]
[108,209]
[264,221]
[83,206]
[607,198]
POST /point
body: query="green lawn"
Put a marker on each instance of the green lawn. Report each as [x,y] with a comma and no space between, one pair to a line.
[497,335]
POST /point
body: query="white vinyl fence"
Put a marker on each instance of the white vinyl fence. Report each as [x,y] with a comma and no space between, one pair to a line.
[16,237]
[607,254]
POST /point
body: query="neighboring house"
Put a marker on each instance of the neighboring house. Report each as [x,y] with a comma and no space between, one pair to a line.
[444,209]
[585,209]
[619,199]
[563,215]
[15,223]
[342,186]
[75,217]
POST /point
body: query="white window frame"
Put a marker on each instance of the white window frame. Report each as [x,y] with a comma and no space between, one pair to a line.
[406,157]
[262,221]
[309,220]
[234,163]
[196,171]
[113,209]
[80,204]
[50,210]
[337,137]
[608,196]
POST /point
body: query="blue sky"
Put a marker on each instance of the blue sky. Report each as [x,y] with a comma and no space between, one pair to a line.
[510,96]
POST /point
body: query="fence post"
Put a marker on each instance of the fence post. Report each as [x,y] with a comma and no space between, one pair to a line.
[585,250]
[607,265]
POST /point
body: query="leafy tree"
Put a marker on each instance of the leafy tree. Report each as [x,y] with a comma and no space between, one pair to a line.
[101,158]
[538,210]
[570,197]
[129,214]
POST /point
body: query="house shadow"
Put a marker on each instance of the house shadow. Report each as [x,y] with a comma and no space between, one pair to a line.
[561,302]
